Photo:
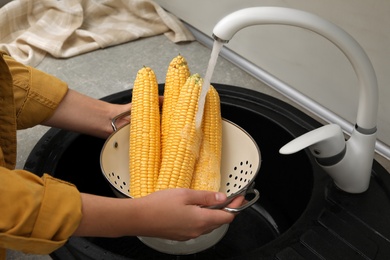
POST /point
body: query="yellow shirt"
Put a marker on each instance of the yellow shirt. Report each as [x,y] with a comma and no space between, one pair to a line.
[38,214]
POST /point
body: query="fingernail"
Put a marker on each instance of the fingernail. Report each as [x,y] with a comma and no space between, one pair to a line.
[219,196]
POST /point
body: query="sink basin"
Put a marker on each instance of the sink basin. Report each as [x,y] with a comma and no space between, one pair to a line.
[300,213]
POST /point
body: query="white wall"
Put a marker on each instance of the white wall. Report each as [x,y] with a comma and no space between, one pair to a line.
[302,59]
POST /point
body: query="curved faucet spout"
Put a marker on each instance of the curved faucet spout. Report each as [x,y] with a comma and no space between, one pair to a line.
[228,26]
[353,171]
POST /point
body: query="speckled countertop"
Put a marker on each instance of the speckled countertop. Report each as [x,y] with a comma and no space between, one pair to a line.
[107,71]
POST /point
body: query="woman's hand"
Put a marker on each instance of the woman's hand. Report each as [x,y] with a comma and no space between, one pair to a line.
[176,213]
[80,113]
[172,214]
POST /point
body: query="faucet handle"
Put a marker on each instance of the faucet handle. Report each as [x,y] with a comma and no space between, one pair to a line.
[324,142]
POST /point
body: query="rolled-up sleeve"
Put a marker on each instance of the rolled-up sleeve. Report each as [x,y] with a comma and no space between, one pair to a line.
[36,93]
[37,214]
[46,214]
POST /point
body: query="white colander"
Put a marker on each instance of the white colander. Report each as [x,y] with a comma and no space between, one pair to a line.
[240,164]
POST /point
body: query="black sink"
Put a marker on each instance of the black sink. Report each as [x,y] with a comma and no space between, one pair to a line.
[300,213]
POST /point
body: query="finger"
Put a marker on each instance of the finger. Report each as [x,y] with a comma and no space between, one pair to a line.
[206,198]
[214,198]
[237,202]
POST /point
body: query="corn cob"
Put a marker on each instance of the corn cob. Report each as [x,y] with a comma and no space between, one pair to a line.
[183,140]
[207,174]
[144,150]
[176,76]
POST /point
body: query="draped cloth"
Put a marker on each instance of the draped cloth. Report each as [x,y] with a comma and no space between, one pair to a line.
[29,29]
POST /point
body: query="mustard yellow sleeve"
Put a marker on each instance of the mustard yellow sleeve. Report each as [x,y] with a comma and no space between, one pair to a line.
[46,214]
[36,93]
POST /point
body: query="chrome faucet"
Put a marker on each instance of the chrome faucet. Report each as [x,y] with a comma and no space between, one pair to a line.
[348,162]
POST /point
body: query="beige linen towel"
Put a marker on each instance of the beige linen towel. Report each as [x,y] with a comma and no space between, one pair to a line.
[64,28]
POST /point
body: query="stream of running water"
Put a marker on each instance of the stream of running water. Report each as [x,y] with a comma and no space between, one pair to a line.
[217,46]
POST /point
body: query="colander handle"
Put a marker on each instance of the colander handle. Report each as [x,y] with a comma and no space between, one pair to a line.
[113,121]
[246,205]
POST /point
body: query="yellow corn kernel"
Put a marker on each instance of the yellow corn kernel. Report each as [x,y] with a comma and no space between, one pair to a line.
[145,140]
[176,76]
[183,140]
[207,175]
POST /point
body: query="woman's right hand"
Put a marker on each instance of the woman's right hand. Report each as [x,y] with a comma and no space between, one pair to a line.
[174,214]
[177,213]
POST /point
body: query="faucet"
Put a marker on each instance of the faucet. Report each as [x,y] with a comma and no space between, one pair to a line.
[348,162]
